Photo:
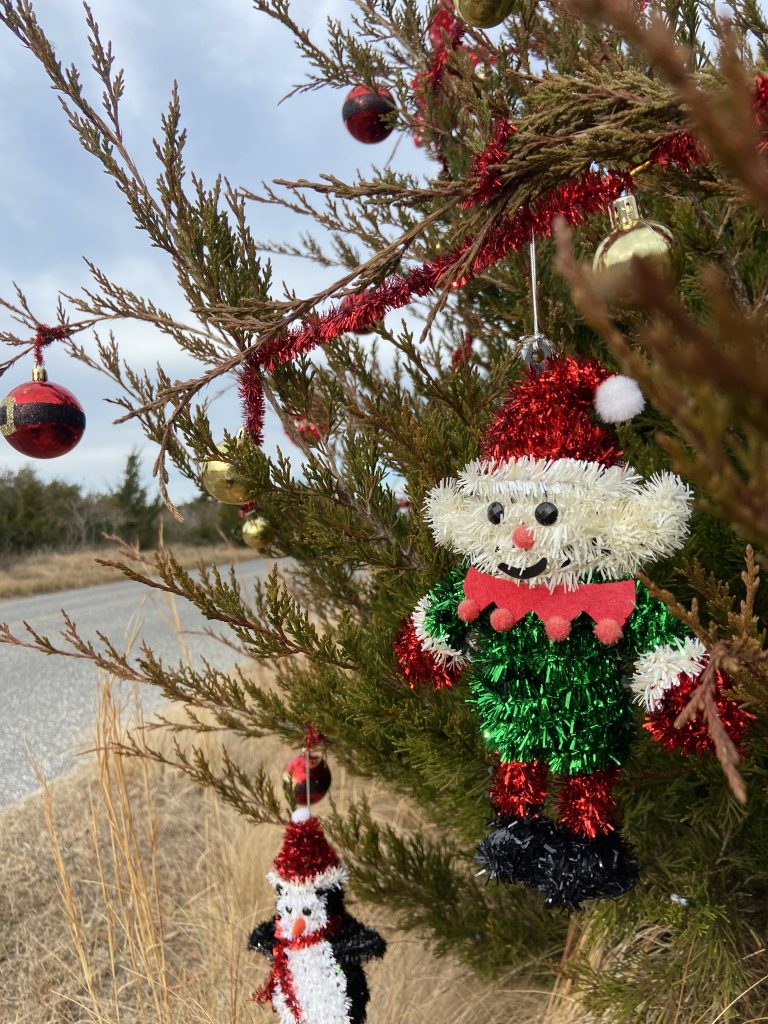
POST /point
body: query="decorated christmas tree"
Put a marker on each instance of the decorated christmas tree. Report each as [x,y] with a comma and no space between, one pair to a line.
[519,511]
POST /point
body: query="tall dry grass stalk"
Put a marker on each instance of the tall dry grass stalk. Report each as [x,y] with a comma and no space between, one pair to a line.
[148,952]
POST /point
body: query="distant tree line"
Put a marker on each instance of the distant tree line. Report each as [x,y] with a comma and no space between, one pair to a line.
[58,516]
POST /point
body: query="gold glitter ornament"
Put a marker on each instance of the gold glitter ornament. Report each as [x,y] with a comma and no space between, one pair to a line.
[634,238]
[256,532]
[484,13]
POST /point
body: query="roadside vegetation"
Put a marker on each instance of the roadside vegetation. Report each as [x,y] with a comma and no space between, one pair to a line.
[52,533]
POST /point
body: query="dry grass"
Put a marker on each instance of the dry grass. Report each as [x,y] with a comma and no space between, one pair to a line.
[46,572]
[126,895]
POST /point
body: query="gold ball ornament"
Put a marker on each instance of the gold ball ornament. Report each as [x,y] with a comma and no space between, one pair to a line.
[634,238]
[484,13]
[222,481]
[256,532]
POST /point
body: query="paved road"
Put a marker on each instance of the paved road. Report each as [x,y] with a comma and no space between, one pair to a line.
[47,704]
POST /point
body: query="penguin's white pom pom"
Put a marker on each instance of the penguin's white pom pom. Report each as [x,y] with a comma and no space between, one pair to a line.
[618,399]
[301,814]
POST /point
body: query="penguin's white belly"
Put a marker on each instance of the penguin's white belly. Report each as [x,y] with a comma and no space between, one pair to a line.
[319,986]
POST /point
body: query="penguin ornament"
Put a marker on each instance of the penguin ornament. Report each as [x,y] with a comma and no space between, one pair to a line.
[315,947]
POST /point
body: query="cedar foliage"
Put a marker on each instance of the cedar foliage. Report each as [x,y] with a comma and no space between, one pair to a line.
[595,81]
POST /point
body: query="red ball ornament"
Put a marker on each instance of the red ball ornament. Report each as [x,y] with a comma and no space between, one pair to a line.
[365,113]
[41,419]
[442,22]
[295,778]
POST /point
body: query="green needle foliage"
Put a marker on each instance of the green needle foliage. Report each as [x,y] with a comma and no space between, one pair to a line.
[594,82]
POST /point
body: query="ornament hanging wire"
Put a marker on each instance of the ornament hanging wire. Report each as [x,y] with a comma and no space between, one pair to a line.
[535,348]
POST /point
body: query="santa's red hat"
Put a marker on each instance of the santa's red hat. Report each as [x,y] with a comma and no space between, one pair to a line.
[307,858]
[563,410]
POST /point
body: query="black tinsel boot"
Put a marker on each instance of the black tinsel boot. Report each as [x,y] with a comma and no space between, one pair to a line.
[515,850]
[581,869]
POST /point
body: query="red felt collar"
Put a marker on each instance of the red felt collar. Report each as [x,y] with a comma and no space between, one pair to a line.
[605,603]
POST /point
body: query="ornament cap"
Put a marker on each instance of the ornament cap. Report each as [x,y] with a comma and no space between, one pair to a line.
[625,213]
[39,373]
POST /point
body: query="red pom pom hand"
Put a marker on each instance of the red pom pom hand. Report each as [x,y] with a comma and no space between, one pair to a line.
[420,667]
[694,737]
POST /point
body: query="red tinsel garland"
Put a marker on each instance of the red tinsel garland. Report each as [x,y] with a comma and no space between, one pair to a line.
[574,200]
[487,165]
[252,395]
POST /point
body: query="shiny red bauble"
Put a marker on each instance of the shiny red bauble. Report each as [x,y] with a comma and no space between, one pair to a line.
[295,778]
[41,419]
[366,113]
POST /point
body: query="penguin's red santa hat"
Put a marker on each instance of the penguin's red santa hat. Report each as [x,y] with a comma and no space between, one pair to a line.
[306,858]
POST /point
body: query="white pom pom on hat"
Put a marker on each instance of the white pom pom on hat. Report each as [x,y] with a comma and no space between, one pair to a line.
[301,814]
[618,399]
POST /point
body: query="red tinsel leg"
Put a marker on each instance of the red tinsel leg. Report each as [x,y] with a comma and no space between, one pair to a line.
[519,788]
[586,804]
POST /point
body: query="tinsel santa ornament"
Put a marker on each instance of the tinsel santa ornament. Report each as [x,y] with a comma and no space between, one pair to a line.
[315,947]
[549,619]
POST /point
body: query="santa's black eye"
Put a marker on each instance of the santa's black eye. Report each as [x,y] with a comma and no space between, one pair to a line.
[306,911]
[546,513]
[289,910]
[495,512]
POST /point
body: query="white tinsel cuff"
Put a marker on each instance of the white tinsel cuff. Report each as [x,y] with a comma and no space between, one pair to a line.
[660,669]
[441,651]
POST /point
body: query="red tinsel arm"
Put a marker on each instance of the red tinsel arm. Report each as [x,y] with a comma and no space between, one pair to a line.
[418,666]
[694,737]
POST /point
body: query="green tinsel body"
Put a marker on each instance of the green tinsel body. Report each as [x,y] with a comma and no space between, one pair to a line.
[562,703]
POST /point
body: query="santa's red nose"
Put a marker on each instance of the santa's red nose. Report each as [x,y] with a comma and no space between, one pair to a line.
[522,537]
[299,926]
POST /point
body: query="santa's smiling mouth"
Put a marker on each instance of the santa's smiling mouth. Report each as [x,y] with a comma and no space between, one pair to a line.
[524,574]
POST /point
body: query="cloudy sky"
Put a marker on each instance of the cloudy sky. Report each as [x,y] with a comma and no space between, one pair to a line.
[233,65]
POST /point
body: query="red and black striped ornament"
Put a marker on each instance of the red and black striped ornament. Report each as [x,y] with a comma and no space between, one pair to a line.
[366,114]
[41,419]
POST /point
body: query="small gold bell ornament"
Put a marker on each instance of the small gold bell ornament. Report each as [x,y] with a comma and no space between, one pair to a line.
[633,238]
[256,532]
[484,13]
[222,481]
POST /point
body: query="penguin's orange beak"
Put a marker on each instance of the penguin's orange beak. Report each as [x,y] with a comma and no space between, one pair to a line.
[299,926]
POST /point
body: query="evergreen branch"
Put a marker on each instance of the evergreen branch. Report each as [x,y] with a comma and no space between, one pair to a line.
[250,793]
